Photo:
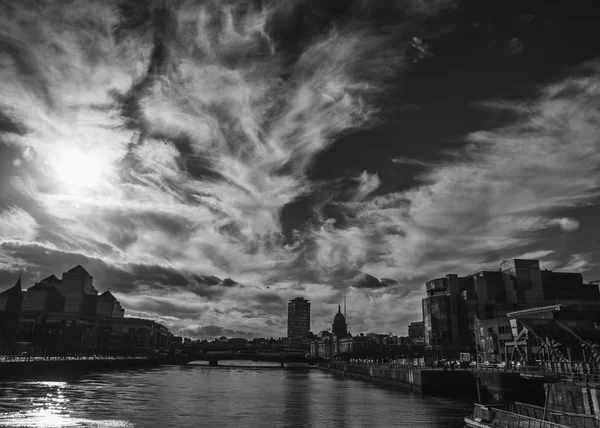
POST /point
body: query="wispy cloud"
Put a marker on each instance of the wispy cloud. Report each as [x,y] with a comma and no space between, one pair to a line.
[488,202]
[158,142]
[162,140]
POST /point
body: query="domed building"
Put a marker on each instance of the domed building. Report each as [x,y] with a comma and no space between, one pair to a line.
[339,334]
[339,328]
[332,344]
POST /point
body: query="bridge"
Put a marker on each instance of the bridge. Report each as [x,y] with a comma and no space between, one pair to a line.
[284,357]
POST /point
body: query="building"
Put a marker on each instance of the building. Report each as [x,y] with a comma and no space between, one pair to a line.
[67,316]
[339,327]
[44,296]
[448,315]
[75,285]
[536,335]
[454,304]
[321,347]
[10,308]
[298,322]
[415,330]
[336,343]
[108,305]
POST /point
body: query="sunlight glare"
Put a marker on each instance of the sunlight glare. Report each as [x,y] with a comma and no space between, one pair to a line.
[78,170]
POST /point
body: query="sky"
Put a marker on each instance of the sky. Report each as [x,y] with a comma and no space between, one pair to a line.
[206,161]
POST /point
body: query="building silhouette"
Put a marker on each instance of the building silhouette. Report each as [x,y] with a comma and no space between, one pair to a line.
[339,327]
[298,322]
[68,316]
[460,312]
[10,307]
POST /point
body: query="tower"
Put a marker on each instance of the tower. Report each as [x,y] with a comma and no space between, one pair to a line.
[298,320]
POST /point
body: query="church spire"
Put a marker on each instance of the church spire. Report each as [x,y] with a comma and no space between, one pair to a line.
[339,309]
[18,283]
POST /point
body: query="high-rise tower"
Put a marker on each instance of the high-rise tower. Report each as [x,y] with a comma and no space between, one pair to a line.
[298,320]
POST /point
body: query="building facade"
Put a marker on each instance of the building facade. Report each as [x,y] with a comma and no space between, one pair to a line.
[448,314]
[298,330]
[75,286]
[415,330]
[45,321]
[457,307]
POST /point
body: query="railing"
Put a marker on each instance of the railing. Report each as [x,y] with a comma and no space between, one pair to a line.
[25,359]
[503,418]
[572,372]
[575,420]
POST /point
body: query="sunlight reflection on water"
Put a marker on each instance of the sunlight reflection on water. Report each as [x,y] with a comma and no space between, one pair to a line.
[49,418]
[197,395]
[48,407]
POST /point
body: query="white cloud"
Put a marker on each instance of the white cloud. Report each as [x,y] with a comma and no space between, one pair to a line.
[565,223]
[495,198]
[17,224]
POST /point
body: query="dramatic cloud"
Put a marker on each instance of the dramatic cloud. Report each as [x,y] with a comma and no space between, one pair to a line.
[489,201]
[168,145]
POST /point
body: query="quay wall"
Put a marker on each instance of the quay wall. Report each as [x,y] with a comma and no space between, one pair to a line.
[54,368]
[483,386]
[455,383]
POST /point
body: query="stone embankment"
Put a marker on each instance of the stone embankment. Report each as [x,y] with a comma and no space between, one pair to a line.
[483,386]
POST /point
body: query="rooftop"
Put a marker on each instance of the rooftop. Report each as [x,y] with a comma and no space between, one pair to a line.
[79,269]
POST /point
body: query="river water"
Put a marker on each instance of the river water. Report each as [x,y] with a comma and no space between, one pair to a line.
[202,396]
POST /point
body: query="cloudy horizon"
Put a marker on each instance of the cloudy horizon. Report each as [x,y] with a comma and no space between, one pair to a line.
[207,161]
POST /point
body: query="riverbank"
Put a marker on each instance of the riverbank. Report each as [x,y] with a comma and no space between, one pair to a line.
[54,367]
[483,387]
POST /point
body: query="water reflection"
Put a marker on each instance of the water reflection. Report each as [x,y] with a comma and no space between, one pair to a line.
[220,396]
[297,387]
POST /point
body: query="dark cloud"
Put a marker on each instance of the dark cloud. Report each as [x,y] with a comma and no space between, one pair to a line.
[228,282]
[365,280]
[130,278]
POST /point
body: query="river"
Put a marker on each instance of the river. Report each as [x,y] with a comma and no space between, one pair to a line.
[202,396]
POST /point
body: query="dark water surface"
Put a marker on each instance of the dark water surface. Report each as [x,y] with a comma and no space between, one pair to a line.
[201,396]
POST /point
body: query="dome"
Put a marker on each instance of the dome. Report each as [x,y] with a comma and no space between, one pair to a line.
[339,327]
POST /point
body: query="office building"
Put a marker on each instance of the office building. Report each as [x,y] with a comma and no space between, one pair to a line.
[448,314]
[298,321]
[454,304]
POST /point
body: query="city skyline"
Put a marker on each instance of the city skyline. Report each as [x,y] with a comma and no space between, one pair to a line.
[207,164]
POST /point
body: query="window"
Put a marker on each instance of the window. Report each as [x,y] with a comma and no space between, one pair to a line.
[504,329]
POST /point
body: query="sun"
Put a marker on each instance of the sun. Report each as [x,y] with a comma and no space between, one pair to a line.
[78,170]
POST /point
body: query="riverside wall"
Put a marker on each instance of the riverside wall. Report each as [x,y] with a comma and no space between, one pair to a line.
[436,382]
[483,386]
[57,368]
